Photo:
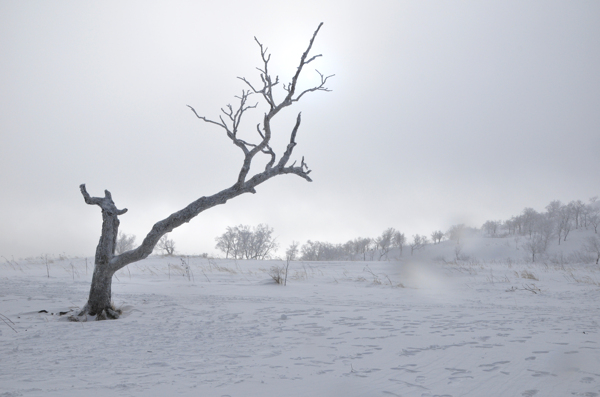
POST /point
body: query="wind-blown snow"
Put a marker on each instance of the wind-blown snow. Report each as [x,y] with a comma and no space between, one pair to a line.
[394,328]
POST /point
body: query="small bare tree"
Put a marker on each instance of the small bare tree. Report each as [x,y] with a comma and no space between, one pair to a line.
[592,245]
[290,255]
[491,228]
[594,217]
[292,252]
[535,245]
[399,240]
[456,232]
[107,263]
[166,245]
[577,208]
[227,242]
[385,241]
[457,252]
[360,246]
[418,243]
[437,236]
[125,242]
[563,223]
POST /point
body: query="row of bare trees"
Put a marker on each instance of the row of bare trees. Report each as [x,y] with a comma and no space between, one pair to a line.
[259,242]
[555,223]
[365,248]
[246,242]
[360,248]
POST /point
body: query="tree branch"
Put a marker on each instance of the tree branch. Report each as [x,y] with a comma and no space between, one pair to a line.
[106,202]
[250,150]
[320,87]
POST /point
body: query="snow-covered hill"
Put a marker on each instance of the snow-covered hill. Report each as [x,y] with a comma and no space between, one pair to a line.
[477,247]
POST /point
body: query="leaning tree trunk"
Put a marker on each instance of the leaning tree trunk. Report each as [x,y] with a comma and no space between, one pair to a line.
[107,263]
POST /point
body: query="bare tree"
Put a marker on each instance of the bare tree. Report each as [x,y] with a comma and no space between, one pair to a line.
[227,242]
[456,232]
[107,263]
[564,223]
[310,251]
[585,214]
[517,222]
[323,251]
[594,216]
[529,216]
[244,247]
[594,220]
[349,250]
[535,245]
[263,242]
[245,242]
[399,240]
[545,228]
[491,228]
[457,252]
[554,213]
[361,246]
[511,226]
[384,242]
[417,243]
[290,255]
[577,208]
[437,236]
[592,245]
[125,242]
[166,245]
[554,208]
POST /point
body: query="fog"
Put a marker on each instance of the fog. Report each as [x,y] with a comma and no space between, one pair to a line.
[440,113]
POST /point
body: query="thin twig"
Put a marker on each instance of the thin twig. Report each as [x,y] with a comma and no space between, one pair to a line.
[7,321]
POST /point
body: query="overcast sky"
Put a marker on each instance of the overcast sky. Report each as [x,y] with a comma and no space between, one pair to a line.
[442,112]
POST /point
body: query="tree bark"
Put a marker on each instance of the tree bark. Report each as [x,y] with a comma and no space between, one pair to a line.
[99,301]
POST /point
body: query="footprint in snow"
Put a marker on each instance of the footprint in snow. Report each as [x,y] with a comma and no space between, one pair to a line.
[529,393]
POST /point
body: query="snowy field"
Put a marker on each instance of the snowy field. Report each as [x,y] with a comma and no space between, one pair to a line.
[419,327]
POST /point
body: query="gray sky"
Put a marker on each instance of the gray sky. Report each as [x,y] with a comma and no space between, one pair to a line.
[441,112]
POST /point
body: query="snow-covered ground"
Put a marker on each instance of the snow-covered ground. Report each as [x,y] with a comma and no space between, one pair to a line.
[413,327]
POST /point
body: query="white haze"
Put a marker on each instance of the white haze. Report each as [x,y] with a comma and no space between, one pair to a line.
[440,113]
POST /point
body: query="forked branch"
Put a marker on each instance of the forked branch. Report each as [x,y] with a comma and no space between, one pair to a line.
[265,89]
[106,202]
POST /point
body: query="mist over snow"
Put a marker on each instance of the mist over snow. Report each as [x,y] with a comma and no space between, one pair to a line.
[447,246]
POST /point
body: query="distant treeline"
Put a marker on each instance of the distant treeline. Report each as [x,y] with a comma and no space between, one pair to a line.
[538,228]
